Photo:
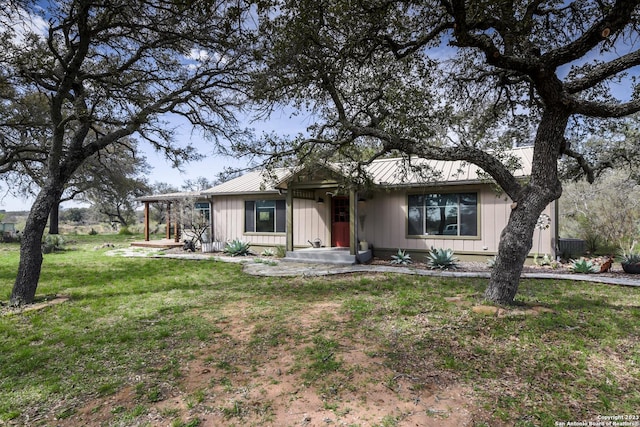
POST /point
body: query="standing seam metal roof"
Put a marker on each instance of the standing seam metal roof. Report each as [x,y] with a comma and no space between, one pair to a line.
[383,172]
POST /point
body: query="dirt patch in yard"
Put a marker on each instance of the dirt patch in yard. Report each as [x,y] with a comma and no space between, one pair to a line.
[250,376]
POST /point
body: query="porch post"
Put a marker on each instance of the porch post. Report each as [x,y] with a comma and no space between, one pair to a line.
[555,235]
[177,229]
[289,210]
[211,237]
[353,235]
[146,221]
[168,232]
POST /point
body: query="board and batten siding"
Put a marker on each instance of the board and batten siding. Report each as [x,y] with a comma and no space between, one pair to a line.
[310,222]
[385,224]
[227,218]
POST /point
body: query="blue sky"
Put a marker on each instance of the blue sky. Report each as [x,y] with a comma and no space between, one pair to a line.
[281,123]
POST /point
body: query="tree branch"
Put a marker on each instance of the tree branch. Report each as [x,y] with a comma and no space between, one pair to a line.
[603,71]
[582,163]
[617,19]
[606,110]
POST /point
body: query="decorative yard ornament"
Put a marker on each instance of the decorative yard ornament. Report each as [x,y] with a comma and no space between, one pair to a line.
[544,222]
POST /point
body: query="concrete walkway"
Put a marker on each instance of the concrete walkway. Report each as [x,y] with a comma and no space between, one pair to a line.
[299,269]
[275,268]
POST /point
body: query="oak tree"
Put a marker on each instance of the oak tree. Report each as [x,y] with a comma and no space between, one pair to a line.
[453,80]
[114,178]
[110,70]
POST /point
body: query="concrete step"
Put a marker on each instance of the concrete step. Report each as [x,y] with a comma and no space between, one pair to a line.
[338,256]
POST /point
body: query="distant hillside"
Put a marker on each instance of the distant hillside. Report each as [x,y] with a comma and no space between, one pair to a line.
[14,216]
[67,225]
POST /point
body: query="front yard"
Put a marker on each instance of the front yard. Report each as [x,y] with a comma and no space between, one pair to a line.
[166,342]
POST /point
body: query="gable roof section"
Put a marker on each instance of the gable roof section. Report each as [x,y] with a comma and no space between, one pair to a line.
[250,183]
[390,173]
[383,172]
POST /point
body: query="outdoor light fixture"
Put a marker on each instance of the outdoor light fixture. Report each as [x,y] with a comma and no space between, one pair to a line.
[320,201]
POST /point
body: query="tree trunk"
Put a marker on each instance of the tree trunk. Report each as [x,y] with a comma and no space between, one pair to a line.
[54,219]
[24,288]
[516,240]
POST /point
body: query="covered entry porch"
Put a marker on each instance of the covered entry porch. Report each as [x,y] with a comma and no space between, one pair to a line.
[340,239]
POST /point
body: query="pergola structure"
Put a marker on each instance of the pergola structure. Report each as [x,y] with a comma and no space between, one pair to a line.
[168,199]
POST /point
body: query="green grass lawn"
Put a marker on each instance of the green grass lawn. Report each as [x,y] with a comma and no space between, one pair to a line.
[136,322]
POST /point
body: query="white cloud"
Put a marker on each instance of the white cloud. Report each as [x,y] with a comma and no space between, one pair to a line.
[24,22]
[199,55]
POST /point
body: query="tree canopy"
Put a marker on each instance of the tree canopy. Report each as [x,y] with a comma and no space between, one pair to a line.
[100,72]
[114,178]
[606,214]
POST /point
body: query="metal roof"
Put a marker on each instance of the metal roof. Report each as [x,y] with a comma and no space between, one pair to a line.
[168,196]
[390,172]
[251,182]
[395,172]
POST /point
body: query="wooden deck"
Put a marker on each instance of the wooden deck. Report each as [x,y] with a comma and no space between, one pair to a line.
[160,243]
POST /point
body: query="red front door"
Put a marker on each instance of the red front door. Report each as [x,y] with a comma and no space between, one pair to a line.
[340,222]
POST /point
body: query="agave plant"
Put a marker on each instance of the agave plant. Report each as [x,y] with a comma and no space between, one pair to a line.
[630,259]
[52,243]
[630,255]
[401,258]
[442,259]
[268,252]
[237,247]
[491,262]
[583,266]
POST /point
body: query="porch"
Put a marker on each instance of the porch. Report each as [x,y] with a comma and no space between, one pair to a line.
[329,217]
